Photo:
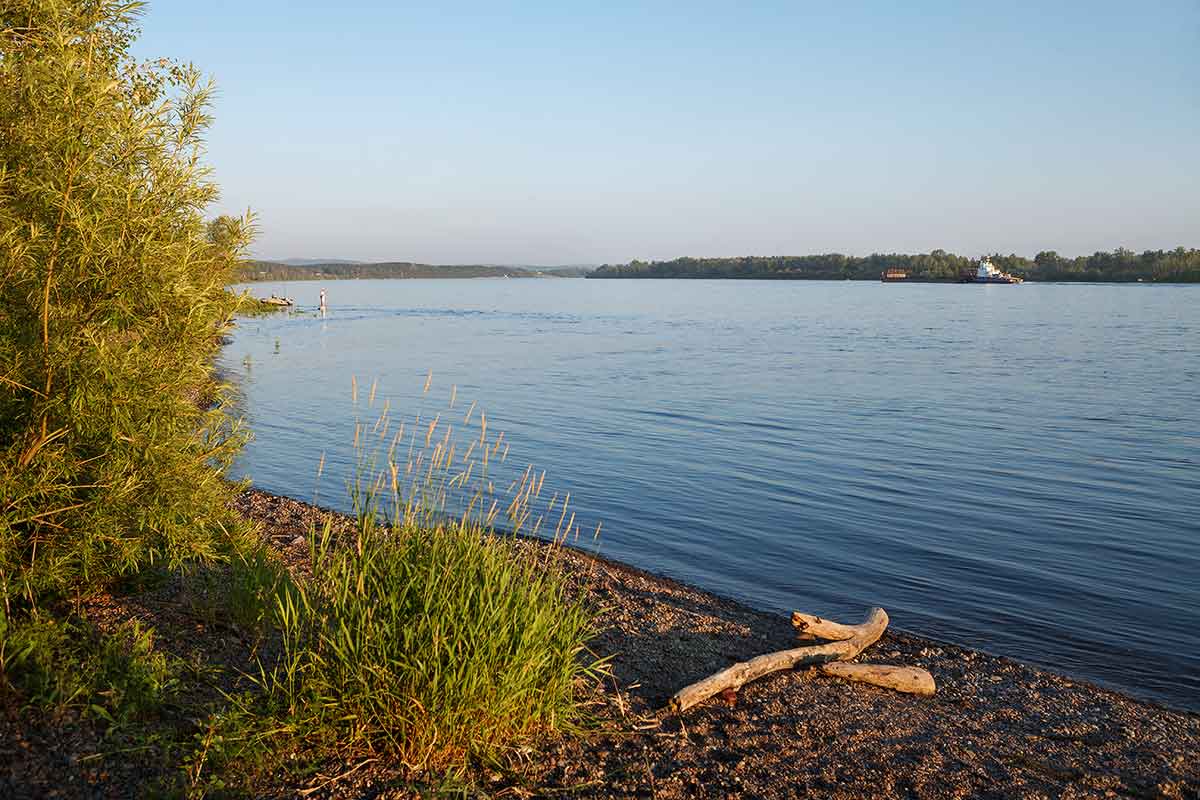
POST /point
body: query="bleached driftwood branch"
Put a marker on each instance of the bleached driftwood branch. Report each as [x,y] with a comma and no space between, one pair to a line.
[912,680]
[736,676]
[823,628]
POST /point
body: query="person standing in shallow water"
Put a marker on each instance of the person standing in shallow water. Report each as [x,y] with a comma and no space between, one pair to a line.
[322,305]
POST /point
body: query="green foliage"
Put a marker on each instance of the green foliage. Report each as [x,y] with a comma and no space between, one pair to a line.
[63,664]
[249,306]
[828,266]
[1179,265]
[242,592]
[112,302]
[433,643]
[429,640]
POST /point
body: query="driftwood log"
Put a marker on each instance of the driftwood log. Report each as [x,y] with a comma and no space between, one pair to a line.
[808,624]
[912,680]
[736,676]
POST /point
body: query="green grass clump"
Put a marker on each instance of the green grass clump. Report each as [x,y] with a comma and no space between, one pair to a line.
[435,643]
[428,640]
[64,663]
[241,592]
[427,646]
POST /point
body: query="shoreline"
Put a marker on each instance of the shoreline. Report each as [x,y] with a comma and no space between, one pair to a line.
[760,278]
[996,727]
[682,585]
[635,572]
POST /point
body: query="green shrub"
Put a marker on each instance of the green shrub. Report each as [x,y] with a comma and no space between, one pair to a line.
[112,303]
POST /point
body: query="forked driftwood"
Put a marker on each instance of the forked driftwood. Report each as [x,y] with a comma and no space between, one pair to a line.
[736,676]
[912,680]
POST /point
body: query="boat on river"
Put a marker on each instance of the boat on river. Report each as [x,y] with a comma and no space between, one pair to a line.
[987,272]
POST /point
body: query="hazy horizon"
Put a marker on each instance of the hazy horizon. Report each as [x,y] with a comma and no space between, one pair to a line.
[538,134]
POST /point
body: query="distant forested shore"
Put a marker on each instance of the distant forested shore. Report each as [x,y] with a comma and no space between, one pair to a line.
[1181,265]
[348,270]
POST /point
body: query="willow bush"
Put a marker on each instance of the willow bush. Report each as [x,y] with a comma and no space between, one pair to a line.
[112,304]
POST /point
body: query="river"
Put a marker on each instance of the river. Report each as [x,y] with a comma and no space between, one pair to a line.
[1013,468]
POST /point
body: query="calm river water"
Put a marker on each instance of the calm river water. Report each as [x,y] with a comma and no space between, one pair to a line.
[1015,468]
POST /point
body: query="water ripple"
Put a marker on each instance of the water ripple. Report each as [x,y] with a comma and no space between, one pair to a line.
[1014,470]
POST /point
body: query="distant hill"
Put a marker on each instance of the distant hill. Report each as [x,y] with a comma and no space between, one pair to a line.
[307,262]
[349,270]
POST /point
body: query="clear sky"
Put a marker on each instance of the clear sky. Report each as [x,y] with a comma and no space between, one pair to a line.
[558,132]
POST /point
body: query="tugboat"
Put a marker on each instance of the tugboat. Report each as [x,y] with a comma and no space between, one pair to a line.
[988,273]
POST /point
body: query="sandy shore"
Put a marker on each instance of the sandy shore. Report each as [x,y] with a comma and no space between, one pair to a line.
[995,728]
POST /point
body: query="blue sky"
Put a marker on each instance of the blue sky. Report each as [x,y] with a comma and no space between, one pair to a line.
[539,133]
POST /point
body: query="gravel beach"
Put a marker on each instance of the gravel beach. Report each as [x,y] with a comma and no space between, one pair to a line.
[995,728]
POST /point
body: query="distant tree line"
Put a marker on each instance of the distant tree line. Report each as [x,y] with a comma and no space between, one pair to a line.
[1180,265]
[277,271]
[348,270]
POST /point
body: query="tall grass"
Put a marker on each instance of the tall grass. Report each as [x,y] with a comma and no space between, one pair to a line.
[420,631]
[433,643]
